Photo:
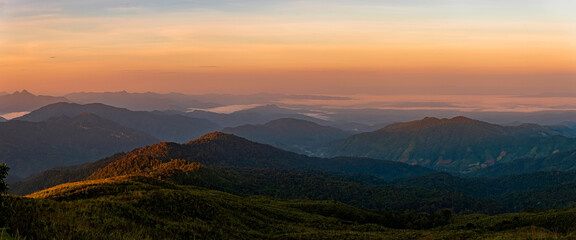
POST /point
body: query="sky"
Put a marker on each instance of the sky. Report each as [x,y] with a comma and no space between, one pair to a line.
[339,47]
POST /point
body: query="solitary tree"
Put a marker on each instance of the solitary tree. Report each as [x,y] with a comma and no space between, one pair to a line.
[3,171]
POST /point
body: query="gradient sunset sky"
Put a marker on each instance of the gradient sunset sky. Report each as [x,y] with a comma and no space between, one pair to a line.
[313,47]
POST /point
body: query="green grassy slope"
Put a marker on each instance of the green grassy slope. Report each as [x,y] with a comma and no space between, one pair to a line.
[138,207]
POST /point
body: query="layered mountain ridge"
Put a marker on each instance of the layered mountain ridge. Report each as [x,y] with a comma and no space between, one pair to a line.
[165,127]
[24,101]
[290,134]
[31,147]
[457,144]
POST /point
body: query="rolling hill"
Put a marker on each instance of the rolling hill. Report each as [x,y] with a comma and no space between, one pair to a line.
[156,204]
[176,128]
[219,150]
[290,134]
[458,144]
[220,186]
[137,207]
[32,147]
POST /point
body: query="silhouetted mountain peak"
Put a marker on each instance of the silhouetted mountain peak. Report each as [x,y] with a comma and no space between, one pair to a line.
[432,122]
[24,93]
[457,119]
[217,137]
[24,101]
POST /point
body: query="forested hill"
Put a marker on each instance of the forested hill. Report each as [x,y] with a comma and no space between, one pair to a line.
[225,150]
[220,149]
[171,189]
[560,161]
[459,144]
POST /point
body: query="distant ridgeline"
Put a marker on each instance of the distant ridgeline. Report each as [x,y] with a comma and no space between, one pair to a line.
[290,134]
[25,101]
[166,127]
[458,145]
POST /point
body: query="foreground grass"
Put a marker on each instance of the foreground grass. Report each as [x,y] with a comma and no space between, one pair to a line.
[145,208]
[136,207]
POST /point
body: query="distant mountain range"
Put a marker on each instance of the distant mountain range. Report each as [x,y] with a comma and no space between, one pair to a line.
[2,119]
[260,98]
[31,147]
[256,115]
[166,127]
[350,119]
[377,116]
[25,101]
[457,144]
[142,101]
[290,134]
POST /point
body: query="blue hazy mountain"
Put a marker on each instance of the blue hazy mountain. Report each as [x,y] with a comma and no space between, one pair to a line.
[166,127]
[31,147]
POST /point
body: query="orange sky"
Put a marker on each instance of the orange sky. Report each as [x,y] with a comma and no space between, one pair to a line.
[339,47]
